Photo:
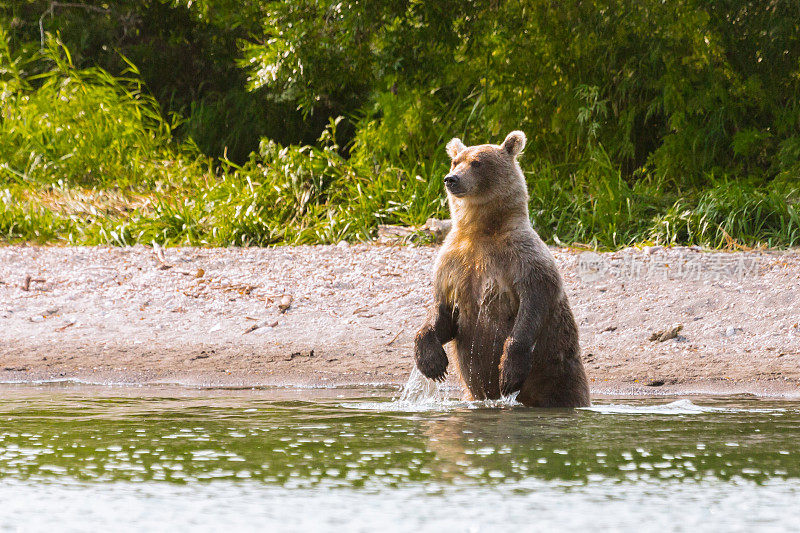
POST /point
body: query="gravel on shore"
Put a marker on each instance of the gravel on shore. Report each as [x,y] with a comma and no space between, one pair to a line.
[334,315]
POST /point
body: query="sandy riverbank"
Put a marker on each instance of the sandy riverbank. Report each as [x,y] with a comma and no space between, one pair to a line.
[212,316]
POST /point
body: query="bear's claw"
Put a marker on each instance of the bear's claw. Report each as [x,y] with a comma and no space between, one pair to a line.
[434,368]
[511,379]
[508,387]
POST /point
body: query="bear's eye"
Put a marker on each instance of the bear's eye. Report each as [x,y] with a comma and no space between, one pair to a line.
[475,163]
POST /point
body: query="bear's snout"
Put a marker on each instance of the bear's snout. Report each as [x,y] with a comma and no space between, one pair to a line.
[453,182]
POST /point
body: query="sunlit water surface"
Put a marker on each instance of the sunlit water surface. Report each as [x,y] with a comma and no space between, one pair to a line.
[89,458]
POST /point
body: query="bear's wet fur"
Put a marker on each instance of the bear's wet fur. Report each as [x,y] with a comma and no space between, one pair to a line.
[497,292]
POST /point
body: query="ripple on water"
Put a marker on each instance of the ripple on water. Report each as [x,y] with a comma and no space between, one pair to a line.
[678,407]
[248,506]
[262,459]
[420,394]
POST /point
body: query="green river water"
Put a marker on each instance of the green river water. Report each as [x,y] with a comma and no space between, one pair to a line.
[95,458]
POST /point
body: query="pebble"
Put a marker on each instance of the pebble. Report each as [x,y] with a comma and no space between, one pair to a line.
[666,334]
[285,303]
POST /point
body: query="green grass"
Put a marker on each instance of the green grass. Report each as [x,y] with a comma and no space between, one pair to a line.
[88,158]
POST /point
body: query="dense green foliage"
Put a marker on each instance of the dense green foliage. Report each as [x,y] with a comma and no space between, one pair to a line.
[218,122]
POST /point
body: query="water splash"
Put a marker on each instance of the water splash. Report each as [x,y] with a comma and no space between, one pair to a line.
[471,368]
[422,394]
[421,390]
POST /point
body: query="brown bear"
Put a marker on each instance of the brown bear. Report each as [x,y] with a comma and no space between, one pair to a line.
[497,291]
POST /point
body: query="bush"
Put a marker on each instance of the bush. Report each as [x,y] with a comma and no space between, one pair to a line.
[672,122]
[80,127]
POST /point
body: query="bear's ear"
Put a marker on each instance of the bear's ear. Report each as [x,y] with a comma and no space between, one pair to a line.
[514,143]
[454,147]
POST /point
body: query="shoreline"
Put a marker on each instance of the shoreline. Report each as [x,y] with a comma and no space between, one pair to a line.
[758,389]
[328,316]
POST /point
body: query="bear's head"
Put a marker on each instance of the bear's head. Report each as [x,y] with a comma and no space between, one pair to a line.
[487,172]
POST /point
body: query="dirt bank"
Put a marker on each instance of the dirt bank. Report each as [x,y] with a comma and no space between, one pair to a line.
[215,317]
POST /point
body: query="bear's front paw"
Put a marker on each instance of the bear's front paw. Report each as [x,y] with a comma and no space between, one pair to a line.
[430,356]
[514,368]
[511,379]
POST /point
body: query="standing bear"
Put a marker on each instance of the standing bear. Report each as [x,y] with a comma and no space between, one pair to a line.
[497,292]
